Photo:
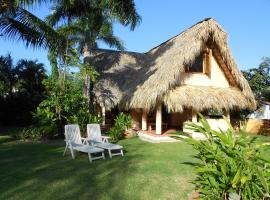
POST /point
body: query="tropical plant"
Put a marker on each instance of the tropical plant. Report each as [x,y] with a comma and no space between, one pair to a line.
[266,93]
[31,133]
[229,164]
[122,123]
[21,89]
[30,75]
[17,23]
[259,79]
[83,117]
[84,23]
[45,120]
[7,74]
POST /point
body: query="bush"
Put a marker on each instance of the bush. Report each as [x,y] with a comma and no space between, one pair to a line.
[32,133]
[45,120]
[122,123]
[229,164]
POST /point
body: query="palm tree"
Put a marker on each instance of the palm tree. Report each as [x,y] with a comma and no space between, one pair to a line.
[30,76]
[7,75]
[81,35]
[87,22]
[96,17]
[24,77]
[17,23]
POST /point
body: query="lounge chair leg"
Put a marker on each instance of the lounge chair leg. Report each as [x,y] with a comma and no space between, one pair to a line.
[122,153]
[72,153]
[103,156]
[65,150]
[90,157]
[110,153]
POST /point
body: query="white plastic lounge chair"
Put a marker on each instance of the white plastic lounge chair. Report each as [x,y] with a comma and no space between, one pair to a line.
[96,139]
[75,142]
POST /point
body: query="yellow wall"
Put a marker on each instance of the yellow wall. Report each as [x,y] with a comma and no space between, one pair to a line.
[216,78]
[255,126]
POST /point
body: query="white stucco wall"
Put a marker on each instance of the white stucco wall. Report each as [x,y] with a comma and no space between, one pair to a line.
[216,78]
[215,124]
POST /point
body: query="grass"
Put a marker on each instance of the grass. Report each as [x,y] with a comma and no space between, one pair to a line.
[147,171]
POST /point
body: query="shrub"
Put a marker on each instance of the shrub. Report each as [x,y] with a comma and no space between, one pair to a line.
[32,133]
[122,123]
[45,120]
[229,164]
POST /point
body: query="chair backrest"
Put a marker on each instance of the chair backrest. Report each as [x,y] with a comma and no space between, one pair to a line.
[94,132]
[72,133]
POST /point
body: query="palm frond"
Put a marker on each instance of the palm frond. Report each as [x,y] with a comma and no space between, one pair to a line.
[23,25]
[124,11]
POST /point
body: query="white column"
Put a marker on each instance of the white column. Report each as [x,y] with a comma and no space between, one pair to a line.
[159,120]
[194,116]
[103,111]
[144,120]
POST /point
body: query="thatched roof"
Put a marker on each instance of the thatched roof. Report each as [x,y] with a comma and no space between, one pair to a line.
[143,80]
[198,98]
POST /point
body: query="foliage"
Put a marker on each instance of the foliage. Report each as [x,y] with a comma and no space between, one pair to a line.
[52,57]
[64,99]
[266,93]
[21,89]
[229,164]
[45,120]
[17,23]
[31,133]
[122,123]
[83,118]
[259,79]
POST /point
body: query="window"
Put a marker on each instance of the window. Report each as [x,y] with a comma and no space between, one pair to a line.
[197,66]
[213,114]
[202,63]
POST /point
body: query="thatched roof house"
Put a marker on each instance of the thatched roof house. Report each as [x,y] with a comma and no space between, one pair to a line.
[194,70]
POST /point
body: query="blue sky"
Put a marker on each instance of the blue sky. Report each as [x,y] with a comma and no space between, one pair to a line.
[246,21]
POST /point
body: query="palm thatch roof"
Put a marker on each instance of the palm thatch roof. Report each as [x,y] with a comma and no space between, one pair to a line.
[143,80]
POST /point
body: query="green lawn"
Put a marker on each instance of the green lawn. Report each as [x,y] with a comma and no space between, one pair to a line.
[147,171]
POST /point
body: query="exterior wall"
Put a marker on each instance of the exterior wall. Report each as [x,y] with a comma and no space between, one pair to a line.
[258,126]
[136,119]
[177,119]
[215,124]
[216,78]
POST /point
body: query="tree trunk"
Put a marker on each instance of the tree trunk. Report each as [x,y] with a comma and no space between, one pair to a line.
[87,81]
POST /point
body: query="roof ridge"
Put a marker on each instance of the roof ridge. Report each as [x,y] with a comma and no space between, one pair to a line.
[185,30]
[117,51]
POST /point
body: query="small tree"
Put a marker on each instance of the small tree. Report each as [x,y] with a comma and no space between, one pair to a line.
[259,79]
[229,164]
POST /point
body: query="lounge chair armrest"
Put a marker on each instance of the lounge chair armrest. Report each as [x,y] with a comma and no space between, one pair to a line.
[85,141]
[89,141]
[105,138]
